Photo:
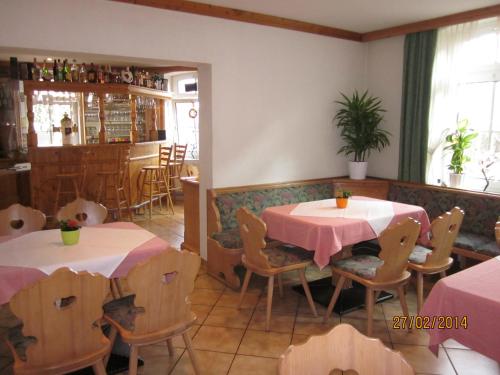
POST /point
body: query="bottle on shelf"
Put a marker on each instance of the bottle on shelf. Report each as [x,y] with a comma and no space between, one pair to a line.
[75,72]
[60,72]
[83,74]
[36,74]
[92,74]
[55,71]
[67,71]
[100,74]
[46,74]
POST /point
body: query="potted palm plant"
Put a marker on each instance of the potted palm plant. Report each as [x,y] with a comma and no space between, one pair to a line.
[359,118]
[458,142]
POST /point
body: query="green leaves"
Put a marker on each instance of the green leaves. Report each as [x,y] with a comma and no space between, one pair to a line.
[359,118]
[458,142]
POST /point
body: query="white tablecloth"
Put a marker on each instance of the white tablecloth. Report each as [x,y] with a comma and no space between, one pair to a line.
[100,250]
[378,213]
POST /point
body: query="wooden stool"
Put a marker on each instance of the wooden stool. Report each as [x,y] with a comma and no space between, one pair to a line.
[156,177]
[116,181]
[175,168]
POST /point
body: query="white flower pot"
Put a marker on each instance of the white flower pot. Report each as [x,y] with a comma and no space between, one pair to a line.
[357,170]
[456,180]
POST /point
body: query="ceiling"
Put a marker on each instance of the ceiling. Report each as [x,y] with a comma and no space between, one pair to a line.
[356,15]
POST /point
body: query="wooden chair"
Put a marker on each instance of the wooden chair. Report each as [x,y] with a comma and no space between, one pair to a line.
[156,177]
[84,212]
[269,262]
[175,167]
[436,258]
[17,219]
[388,271]
[342,348]
[161,286]
[116,181]
[62,312]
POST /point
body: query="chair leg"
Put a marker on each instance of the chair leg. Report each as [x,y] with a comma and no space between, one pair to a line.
[370,302]
[165,177]
[270,287]
[307,291]
[132,363]
[244,288]
[280,284]
[118,206]
[99,368]
[331,305]
[192,354]
[112,337]
[420,291]
[150,194]
[402,301]
[170,345]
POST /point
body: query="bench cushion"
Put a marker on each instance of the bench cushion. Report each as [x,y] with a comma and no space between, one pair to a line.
[286,255]
[230,239]
[477,243]
[364,266]
[258,200]
[419,254]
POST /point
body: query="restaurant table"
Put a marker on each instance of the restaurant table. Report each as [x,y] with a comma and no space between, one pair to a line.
[465,307]
[112,261]
[321,227]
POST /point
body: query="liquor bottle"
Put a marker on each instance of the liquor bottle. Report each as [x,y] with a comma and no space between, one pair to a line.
[60,72]
[75,73]
[55,71]
[83,74]
[92,74]
[46,76]
[67,71]
[35,71]
[100,74]
[108,74]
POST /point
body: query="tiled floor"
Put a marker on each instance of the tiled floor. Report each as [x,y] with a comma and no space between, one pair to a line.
[231,341]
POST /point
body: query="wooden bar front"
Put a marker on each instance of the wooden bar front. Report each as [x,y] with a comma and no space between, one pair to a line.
[47,162]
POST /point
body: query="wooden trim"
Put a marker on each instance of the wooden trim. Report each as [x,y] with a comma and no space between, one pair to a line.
[479,194]
[434,23]
[271,185]
[248,17]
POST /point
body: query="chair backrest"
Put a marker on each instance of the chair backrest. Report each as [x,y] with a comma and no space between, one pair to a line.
[161,286]
[84,212]
[497,232]
[179,156]
[444,231]
[397,243]
[18,219]
[253,231]
[62,313]
[165,155]
[342,348]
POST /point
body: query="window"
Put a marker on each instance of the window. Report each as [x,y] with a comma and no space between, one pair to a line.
[466,88]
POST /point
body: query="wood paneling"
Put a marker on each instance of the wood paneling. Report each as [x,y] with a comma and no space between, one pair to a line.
[190,189]
[248,17]
[369,188]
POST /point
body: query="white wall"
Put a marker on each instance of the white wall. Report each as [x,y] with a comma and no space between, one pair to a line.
[270,91]
[384,59]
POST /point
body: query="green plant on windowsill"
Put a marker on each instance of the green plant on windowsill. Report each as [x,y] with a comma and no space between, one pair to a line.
[459,142]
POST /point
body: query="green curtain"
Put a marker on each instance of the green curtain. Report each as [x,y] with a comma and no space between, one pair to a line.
[419,53]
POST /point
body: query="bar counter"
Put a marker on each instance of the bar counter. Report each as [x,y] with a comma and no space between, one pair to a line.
[47,162]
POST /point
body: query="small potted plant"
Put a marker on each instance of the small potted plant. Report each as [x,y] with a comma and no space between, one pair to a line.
[342,197]
[458,142]
[70,231]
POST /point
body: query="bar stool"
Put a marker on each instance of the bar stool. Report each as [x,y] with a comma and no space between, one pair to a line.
[175,168]
[115,181]
[156,177]
[76,180]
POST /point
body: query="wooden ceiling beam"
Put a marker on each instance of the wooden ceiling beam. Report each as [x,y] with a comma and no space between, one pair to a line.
[246,16]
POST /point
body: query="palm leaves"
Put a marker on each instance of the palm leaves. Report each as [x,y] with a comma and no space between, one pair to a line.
[359,118]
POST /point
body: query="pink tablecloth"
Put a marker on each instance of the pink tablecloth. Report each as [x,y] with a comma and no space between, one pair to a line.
[13,279]
[472,293]
[327,235]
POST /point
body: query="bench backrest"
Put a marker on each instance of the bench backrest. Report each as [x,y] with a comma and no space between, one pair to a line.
[481,210]
[258,200]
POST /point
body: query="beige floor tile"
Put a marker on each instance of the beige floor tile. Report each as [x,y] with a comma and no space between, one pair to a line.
[298,339]
[218,339]
[229,317]
[248,365]
[311,325]
[450,343]
[264,344]
[286,304]
[424,361]
[230,299]
[157,360]
[178,341]
[279,322]
[206,281]
[379,328]
[205,297]
[403,336]
[211,363]
[378,313]
[201,312]
[482,365]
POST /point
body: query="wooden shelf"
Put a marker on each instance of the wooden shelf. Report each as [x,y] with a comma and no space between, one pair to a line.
[98,88]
